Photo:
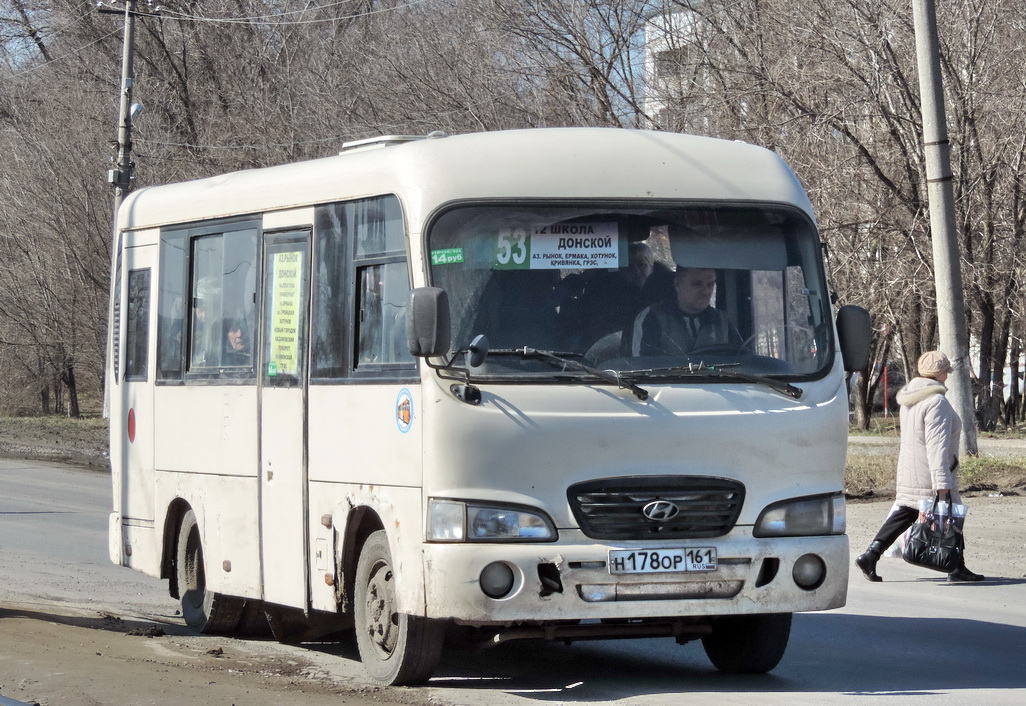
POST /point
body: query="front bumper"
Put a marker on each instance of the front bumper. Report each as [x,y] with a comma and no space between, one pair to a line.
[570,580]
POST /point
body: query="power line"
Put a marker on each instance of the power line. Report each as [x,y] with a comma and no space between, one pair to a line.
[182,17]
[275,18]
[64,57]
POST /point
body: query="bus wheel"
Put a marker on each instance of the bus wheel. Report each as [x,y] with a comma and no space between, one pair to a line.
[395,648]
[748,644]
[203,610]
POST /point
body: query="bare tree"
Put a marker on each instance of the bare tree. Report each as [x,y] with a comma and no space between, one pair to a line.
[584,57]
[231,84]
[831,86]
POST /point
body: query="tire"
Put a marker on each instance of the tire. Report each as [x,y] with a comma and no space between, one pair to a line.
[204,611]
[395,648]
[748,644]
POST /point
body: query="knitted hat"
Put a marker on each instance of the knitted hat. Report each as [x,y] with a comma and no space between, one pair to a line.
[933,363]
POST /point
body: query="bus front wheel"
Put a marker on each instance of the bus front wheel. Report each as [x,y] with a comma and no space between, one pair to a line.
[748,644]
[203,610]
[395,648]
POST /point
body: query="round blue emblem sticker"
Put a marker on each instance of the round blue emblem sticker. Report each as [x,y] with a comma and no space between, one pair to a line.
[404,410]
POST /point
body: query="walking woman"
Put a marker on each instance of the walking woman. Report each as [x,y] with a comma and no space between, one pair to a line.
[927,458]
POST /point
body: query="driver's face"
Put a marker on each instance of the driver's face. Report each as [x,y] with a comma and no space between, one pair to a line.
[695,289]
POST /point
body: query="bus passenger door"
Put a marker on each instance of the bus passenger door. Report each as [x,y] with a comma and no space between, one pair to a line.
[283,469]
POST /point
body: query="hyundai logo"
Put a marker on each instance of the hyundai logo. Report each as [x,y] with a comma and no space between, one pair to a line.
[660,510]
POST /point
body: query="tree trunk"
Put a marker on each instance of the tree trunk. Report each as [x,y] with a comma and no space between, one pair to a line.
[69,382]
[861,408]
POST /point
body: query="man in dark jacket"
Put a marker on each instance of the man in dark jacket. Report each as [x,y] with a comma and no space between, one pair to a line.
[685,322]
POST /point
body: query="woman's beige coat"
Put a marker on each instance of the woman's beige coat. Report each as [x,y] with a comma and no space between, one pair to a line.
[930,431]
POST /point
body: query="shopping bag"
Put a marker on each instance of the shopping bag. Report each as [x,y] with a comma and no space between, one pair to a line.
[935,541]
[897,548]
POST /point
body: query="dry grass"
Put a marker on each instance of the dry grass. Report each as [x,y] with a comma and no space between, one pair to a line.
[870,475]
[82,441]
[870,471]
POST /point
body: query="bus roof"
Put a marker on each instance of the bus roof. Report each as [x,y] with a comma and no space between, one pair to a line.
[566,163]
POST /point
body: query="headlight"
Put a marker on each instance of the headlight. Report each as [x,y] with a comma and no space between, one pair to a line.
[802,517]
[458,521]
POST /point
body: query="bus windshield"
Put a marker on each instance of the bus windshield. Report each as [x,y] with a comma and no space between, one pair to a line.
[658,292]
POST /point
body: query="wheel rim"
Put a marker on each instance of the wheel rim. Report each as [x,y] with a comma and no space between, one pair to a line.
[382,620]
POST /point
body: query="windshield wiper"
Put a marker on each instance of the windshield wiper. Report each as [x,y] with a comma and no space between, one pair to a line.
[563,359]
[724,370]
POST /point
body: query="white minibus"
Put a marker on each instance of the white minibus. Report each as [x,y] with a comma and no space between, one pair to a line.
[561,384]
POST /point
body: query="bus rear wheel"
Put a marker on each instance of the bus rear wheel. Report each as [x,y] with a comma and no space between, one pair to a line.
[748,644]
[395,648]
[203,610]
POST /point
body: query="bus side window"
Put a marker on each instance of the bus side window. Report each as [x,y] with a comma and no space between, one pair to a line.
[223,312]
[239,304]
[382,282]
[205,316]
[383,291]
[171,306]
[329,335]
[137,337]
[377,225]
[361,285]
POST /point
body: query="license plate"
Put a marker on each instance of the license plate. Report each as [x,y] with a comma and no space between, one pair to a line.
[661,561]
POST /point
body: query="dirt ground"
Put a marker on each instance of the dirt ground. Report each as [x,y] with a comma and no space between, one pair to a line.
[82,442]
[87,660]
[52,654]
[995,529]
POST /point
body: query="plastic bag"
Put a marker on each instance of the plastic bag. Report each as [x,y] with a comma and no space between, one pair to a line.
[935,541]
[946,514]
[897,548]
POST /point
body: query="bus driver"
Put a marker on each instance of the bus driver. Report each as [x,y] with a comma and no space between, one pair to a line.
[684,322]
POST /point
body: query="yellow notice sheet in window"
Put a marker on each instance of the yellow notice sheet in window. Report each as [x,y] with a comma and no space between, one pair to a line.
[286,317]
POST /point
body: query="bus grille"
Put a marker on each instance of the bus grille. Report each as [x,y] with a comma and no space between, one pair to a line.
[656,507]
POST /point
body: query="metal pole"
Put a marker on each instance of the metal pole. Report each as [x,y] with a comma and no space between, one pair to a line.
[951,321]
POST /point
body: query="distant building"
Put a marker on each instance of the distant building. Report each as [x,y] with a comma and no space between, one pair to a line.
[670,69]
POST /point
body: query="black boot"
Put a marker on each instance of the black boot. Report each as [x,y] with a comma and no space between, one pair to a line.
[867,560]
[964,574]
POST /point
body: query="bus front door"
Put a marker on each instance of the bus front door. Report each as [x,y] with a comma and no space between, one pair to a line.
[284,549]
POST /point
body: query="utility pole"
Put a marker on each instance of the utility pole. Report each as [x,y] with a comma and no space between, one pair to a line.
[951,321]
[120,178]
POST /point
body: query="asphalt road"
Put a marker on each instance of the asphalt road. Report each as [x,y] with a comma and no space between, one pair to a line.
[913,637]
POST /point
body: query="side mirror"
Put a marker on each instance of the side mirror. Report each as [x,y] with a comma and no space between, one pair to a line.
[854,329]
[428,325]
[478,351]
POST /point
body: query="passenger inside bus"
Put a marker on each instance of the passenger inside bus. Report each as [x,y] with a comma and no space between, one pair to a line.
[236,350]
[218,340]
[239,316]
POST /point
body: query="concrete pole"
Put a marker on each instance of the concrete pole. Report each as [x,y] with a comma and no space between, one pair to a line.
[120,178]
[954,337]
